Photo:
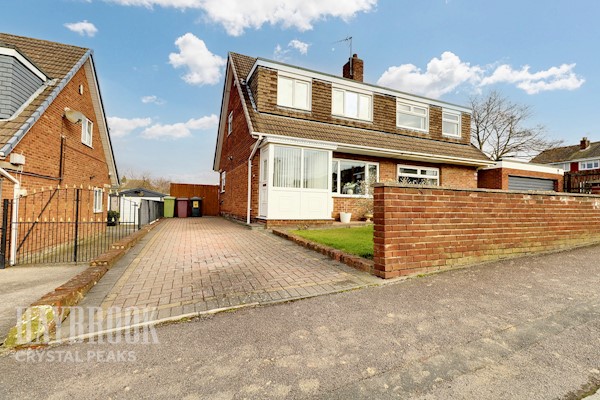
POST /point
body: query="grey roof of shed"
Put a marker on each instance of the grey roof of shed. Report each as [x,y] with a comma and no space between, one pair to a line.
[141,192]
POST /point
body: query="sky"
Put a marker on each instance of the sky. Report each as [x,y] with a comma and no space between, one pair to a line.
[161,63]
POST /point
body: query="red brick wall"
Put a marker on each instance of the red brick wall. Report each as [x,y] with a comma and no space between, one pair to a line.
[419,230]
[497,178]
[236,150]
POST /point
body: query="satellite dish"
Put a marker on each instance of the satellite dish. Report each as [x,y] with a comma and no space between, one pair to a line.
[73,116]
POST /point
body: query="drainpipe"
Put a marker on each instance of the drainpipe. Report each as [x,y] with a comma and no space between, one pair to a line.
[258,142]
[15,214]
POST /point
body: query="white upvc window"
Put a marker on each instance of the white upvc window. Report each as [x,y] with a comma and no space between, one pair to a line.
[230,123]
[223,180]
[299,168]
[411,115]
[451,123]
[98,200]
[590,164]
[352,104]
[293,92]
[87,128]
[418,175]
[353,178]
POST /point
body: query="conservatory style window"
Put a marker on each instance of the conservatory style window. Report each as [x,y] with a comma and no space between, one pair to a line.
[353,178]
[418,175]
[294,167]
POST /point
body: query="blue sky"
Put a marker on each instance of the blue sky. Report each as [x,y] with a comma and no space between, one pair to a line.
[161,62]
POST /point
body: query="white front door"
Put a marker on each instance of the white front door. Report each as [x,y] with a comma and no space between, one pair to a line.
[263,183]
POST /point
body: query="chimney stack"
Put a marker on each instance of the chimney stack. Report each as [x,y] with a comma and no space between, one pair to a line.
[353,69]
[584,144]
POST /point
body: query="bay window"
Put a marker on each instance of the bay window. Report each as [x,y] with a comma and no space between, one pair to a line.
[418,175]
[295,167]
[353,178]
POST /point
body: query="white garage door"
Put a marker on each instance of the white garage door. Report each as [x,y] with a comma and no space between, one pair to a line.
[523,183]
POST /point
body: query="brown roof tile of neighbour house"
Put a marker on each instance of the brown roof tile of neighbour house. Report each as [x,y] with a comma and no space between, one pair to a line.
[55,60]
[568,153]
[313,130]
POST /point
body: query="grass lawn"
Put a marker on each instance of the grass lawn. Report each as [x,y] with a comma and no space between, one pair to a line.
[358,241]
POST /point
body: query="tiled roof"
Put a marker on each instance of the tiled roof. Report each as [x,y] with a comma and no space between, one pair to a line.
[54,59]
[568,153]
[313,130]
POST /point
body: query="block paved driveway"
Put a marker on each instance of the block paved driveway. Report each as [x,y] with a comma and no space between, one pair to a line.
[189,265]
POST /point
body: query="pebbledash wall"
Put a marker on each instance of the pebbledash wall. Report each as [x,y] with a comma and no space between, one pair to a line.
[425,229]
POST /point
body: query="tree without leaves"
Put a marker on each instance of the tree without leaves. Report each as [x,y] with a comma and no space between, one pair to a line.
[145,180]
[498,128]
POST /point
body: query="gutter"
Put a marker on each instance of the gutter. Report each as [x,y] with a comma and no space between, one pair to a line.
[256,145]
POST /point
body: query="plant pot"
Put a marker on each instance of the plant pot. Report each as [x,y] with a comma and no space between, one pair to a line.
[368,217]
[345,217]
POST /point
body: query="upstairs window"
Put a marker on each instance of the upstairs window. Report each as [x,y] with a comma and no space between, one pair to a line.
[591,164]
[451,123]
[418,175]
[350,104]
[293,93]
[230,123]
[412,116]
[87,127]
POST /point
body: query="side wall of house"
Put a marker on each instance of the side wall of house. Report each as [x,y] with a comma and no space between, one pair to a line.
[236,150]
[497,178]
[264,87]
[420,230]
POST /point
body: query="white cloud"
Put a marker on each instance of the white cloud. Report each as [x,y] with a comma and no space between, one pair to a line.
[449,72]
[152,100]
[554,78]
[84,28]
[181,129]
[300,46]
[238,15]
[204,67]
[120,127]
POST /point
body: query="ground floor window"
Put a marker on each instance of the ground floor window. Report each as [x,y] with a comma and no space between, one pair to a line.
[98,196]
[418,175]
[353,178]
[295,167]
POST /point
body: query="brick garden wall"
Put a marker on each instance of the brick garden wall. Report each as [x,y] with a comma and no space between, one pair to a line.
[419,230]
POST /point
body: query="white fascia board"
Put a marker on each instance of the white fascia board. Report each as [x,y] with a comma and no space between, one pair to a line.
[353,84]
[373,151]
[14,53]
[523,166]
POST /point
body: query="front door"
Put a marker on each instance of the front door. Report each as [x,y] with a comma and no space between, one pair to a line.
[263,184]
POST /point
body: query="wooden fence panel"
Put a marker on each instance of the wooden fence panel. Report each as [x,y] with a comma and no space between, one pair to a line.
[209,193]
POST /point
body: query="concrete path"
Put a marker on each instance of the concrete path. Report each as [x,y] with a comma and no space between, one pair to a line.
[190,265]
[521,329]
[21,286]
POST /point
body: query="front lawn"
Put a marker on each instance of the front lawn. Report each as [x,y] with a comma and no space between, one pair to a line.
[358,241]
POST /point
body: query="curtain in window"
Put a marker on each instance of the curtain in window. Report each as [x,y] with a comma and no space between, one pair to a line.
[315,169]
[287,167]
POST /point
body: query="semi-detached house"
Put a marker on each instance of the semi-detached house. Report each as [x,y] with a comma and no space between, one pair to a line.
[296,145]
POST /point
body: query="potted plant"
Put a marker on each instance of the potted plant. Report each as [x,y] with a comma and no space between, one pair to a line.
[345,216]
[112,218]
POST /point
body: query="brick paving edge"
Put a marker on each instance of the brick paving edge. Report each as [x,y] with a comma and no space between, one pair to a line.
[72,292]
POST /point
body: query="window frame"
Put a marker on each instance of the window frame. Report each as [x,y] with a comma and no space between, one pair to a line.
[339,161]
[457,114]
[295,79]
[84,133]
[230,123]
[359,93]
[412,104]
[223,181]
[583,165]
[302,177]
[418,175]
[98,200]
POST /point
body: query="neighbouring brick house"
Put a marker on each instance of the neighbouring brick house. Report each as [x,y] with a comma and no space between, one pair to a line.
[582,157]
[295,144]
[53,130]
